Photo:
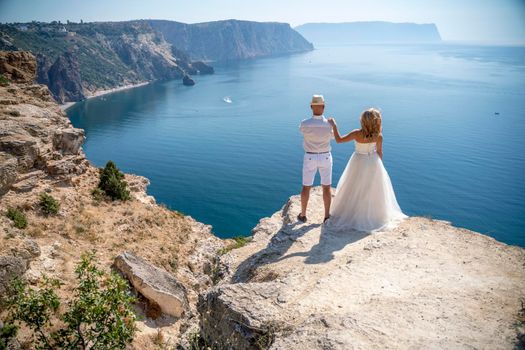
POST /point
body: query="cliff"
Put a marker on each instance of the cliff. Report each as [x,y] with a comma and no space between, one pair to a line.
[232,39]
[369,32]
[77,59]
[41,152]
[425,284]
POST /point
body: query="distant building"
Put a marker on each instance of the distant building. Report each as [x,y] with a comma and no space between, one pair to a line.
[62,31]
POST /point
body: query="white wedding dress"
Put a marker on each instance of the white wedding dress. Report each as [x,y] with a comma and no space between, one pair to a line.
[364,199]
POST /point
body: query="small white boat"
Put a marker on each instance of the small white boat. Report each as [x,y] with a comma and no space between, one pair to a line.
[227,99]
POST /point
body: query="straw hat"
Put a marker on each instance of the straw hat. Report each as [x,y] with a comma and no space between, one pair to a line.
[317,100]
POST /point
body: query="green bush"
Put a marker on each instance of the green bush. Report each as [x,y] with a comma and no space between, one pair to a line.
[18,217]
[98,316]
[48,204]
[7,332]
[112,182]
[3,80]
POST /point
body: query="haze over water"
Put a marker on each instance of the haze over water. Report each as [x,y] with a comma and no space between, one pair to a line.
[453,119]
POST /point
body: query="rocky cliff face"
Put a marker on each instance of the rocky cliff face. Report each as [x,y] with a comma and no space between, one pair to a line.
[64,78]
[425,284]
[76,60]
[232,39]
[36,139]
[40,152]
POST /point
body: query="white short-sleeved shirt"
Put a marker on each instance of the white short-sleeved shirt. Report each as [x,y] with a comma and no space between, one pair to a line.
[317,134]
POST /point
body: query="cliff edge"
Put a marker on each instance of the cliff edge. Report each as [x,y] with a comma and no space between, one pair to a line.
[41,153]
[425,284]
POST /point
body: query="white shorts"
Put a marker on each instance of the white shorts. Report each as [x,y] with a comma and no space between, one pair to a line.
[313,162]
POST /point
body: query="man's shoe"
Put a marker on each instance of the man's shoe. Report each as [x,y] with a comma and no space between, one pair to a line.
[326,218]
[301,218]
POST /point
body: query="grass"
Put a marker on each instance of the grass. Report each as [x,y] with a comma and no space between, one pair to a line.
[197,341]
[174,263]
[18,217]
[98,195]
[239,241]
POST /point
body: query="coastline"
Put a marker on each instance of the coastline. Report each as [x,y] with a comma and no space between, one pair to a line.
[97,93]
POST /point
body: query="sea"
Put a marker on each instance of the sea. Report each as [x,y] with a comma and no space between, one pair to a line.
[228,150]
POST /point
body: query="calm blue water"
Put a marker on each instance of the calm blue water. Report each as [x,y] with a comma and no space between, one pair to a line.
[447,152]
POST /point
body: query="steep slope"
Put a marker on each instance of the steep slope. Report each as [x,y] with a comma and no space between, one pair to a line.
[40,152]
[76,59]
[232,39]
[369,32]
[425,284]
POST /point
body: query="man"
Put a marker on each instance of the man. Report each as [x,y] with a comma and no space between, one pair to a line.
[317,133]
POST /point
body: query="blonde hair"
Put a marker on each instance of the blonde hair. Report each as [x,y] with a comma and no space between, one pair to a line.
[371,123]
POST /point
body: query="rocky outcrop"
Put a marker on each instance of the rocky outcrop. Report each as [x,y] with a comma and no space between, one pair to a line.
[202,68]
[305,286]
[188,81]
[159,287]
[64,79]
[232,39]
[19,67]
[8,171]
[11,267]
[36,137]
[96,56]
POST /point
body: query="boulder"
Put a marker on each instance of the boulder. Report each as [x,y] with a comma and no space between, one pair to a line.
[8,166]
[24,147]
[158,286]
[68,141]
[28,250]
[11,267]
[68,165]
[18,66]
[188,81]
[26,182]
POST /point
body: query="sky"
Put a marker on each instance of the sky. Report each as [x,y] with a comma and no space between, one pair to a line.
[479,21]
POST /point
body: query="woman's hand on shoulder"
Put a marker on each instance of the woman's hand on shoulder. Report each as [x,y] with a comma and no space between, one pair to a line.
[332,121]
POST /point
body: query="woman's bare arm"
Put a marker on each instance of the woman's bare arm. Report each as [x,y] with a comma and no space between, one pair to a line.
[341,139]
[379,146]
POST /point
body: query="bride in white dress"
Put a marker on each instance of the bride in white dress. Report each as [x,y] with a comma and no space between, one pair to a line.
[364,198]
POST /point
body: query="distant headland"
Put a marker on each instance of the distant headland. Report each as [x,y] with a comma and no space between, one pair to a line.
[369,32]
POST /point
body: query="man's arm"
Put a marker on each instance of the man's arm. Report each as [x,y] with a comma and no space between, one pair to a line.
[301,127]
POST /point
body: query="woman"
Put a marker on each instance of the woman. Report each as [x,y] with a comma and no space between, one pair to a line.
[364,198]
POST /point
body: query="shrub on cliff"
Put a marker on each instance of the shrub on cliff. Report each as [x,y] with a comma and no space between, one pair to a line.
[112,182]
[3,80]
[99,315]
[18,217]
[48,204]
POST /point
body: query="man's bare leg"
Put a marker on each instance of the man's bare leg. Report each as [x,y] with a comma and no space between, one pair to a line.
[305,196]
[327,199]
